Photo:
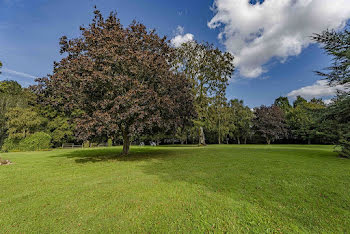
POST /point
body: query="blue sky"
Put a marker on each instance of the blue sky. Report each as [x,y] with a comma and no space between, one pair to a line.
[30,31]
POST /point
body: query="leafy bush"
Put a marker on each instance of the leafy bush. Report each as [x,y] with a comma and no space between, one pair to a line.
[37,141]
[110,143]
[86,144]
[10,145]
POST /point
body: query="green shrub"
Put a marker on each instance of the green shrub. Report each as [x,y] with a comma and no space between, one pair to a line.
[86,144]
[110,143]
[10,145]
[37,141]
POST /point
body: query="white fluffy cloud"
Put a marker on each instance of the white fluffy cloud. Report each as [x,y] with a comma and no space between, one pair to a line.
[274,29]
[180,37]
[318,90]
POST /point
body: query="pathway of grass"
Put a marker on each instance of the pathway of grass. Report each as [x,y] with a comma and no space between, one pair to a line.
[248,188]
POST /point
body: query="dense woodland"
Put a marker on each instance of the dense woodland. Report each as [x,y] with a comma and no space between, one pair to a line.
[127,85]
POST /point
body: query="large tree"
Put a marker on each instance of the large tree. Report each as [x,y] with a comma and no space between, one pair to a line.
[337,45]
[269,122]
[208,69]
[118,81]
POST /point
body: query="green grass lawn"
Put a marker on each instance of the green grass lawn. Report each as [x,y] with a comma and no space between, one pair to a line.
[251,188]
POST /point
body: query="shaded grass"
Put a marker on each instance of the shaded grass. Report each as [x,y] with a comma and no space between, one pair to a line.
[248,188]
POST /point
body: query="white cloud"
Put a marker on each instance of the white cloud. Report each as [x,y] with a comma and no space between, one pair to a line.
[179,30]
[318,90]
[328,101]
[274,29]
[16,73]
[180,37]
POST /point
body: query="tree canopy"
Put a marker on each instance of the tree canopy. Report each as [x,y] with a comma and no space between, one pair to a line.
[270,123]
[118,80]
[337,45]
[208,70]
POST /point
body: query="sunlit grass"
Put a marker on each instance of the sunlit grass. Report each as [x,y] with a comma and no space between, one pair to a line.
[248,188]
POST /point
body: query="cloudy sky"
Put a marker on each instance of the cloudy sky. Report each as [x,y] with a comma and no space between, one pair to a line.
[270,39]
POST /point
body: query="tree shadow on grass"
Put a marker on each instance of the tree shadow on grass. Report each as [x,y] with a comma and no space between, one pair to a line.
[257,179]
[114,154]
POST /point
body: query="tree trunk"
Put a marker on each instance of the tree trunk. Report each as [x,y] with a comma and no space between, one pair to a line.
[309,141]
[201,136]
[219,140]
[268,141]
[238,141]
[219,131]
[245,140]
[126,143]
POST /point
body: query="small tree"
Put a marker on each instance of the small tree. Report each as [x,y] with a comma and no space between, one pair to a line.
[118,81]
[269,122]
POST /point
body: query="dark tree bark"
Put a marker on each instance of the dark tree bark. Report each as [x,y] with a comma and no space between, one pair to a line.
[126,143]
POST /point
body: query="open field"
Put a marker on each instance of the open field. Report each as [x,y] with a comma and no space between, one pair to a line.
[251,188]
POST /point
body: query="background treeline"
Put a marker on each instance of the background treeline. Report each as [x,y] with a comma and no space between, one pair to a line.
[26,125]
[128,85]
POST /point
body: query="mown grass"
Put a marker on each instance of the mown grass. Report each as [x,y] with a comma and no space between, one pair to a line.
[252,188]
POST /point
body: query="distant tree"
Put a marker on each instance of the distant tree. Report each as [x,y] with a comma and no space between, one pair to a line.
[304,118]
[299,101]
[283,103]
[269,122]
[241,120]
[22,122]
[59,127]
[219,119]
[11,95]
[118,81]
[208,69]
[0,66]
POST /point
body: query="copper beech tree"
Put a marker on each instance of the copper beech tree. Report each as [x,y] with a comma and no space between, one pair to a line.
[118,81]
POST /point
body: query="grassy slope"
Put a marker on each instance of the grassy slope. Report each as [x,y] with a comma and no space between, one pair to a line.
[177,189]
